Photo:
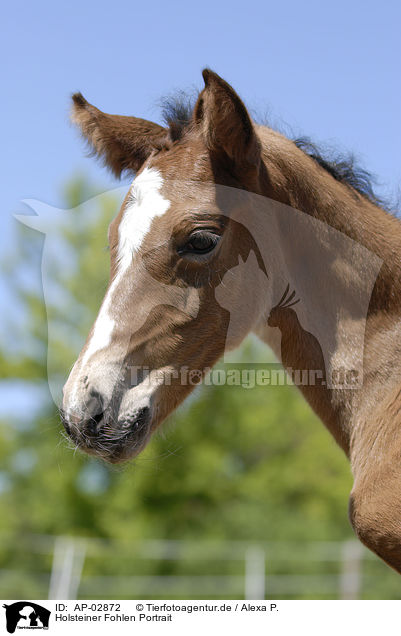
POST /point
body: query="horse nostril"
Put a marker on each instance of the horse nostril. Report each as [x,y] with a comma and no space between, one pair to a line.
[98,418]
[93,424]
[95,404]
[94,412]
[87,418]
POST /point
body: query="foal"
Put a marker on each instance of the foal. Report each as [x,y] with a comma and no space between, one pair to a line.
[183,226]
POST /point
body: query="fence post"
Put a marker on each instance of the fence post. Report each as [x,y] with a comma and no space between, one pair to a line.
[68,561]
[255,573]
[350,577]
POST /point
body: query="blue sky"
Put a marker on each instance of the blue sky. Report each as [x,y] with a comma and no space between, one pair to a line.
[329,70]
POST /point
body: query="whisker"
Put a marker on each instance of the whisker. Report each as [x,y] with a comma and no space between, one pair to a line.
[291,304]
[284,295]
[290,297]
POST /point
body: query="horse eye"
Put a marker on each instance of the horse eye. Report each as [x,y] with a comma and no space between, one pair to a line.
[201,242]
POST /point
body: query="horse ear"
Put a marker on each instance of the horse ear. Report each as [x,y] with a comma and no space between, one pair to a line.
[123,142]
[225,122]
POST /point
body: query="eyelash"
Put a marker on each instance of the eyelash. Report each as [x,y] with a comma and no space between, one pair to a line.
[200,234]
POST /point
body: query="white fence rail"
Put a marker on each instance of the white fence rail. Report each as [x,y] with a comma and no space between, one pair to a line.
[254,576]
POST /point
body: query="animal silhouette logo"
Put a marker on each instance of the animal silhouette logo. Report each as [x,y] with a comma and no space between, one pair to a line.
[295,339]
[26,615]
[284,303]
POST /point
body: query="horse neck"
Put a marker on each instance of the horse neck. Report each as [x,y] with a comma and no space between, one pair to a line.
[295,179]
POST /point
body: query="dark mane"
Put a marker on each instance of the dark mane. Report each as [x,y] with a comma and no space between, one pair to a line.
[343,168]
[177,115]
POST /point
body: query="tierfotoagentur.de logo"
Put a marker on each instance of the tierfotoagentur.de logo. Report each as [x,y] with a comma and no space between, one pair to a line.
[26,615]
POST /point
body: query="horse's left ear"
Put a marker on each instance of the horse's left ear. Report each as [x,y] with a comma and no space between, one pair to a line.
[226,125]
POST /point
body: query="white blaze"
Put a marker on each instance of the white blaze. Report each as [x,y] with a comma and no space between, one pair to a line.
[144,204]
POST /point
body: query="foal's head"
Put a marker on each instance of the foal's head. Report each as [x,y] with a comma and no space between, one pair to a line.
[170,245]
